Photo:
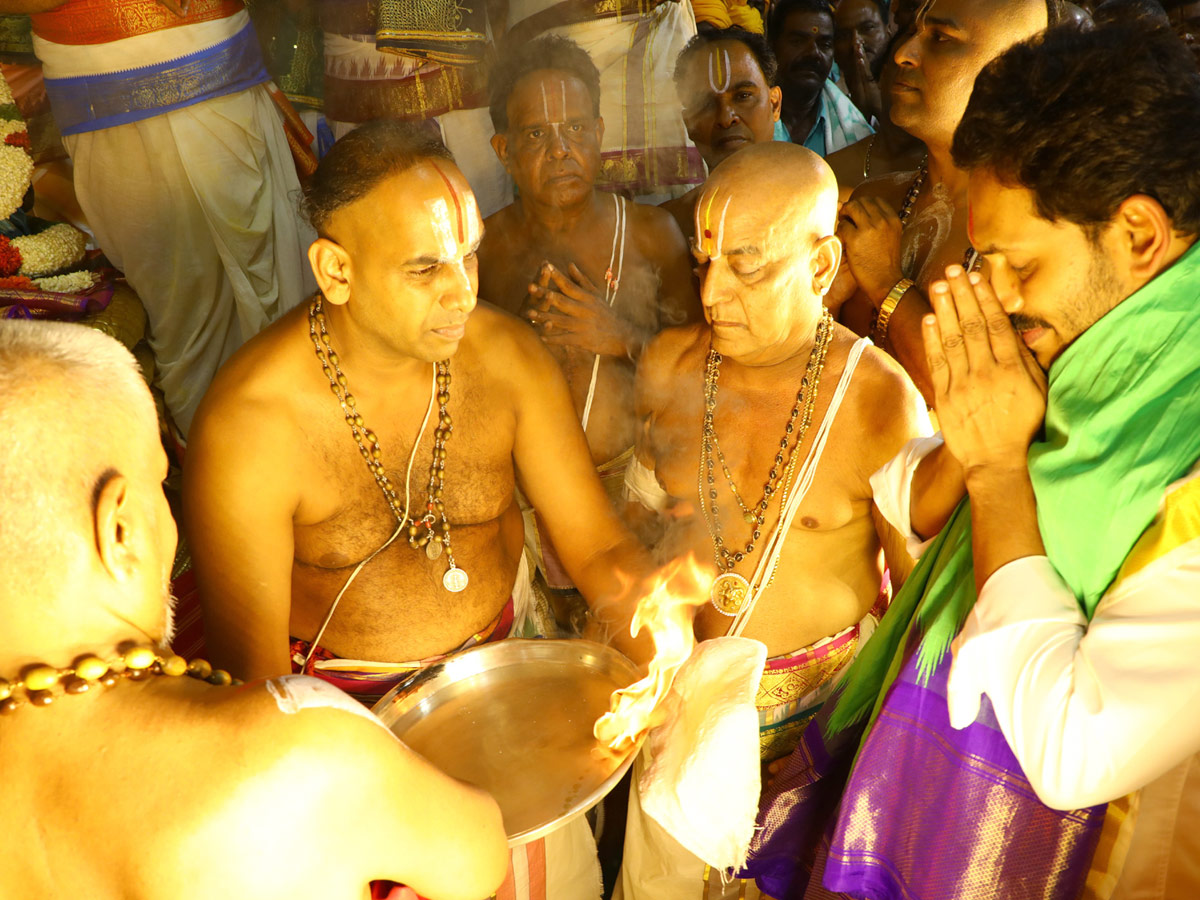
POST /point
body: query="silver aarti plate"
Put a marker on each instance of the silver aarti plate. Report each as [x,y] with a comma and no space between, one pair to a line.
[515,718]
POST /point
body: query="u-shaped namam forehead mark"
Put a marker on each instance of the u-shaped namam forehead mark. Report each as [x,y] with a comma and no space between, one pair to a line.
[719,70]
[710,235]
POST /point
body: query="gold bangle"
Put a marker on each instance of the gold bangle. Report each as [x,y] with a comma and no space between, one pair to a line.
[895,295]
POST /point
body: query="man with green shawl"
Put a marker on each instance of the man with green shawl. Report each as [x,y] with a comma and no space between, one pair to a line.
[1075,561]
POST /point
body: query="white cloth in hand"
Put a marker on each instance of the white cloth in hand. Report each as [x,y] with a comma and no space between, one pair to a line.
[703,782]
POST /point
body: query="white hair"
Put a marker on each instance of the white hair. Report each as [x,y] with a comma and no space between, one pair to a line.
[72,403]
[75,350]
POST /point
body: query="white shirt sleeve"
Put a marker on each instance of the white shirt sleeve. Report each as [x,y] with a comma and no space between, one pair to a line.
[1091,711]
[891,487]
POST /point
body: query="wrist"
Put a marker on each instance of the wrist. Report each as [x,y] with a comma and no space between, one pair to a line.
[996,475]
[878,292]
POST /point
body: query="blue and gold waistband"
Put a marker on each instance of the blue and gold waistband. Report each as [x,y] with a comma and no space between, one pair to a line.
[93,102]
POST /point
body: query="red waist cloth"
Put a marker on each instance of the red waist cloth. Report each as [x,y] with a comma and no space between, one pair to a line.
[102,21]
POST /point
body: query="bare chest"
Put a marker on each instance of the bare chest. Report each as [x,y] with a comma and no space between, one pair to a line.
[618,273]
[761,449]
[344,513]
[934,237]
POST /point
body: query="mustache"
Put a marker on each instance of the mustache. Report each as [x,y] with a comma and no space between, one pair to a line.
[1027,323]
[799,66]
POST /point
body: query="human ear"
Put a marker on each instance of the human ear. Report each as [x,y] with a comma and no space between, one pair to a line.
[1144,231]
[599,129]
[116,528]
[499,144]
[331,265]
[826,257]
[775,98]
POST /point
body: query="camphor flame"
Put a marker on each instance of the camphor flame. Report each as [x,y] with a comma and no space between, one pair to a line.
[666,611]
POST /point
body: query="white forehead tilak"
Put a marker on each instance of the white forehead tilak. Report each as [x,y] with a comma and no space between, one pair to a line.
[719,71]
[711,239]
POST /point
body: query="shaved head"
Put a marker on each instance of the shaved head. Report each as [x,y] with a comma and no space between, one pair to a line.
[766,247]
[760,175]
[74,414]
[946,47]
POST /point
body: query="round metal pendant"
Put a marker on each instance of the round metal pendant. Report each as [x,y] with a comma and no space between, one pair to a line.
[455,580]
[433,549]
[729,593]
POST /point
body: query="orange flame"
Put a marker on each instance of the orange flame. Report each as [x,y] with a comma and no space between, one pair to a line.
[666,611]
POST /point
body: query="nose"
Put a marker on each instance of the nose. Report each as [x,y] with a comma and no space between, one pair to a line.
[714,284]
[1004,283]
[726,113]
[906,52]
[459,291]
[558,143]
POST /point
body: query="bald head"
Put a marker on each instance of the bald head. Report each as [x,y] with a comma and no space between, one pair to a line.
[75,416]
[758,178]
[765,243]
[945,49]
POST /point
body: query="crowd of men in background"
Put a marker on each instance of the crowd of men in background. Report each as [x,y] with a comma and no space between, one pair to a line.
[571,292]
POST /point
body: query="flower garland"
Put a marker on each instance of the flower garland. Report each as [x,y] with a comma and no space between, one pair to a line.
[47,252]
[70,283]
[16,171]
[27,247]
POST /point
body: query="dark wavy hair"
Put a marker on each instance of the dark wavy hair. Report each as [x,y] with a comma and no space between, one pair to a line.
[549,52]
[755,43]
[1086,120]
[364,158]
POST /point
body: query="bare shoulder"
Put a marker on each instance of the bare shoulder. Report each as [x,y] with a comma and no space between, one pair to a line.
[884,400]
[505,348]
[498,238]
[670,353]
[280,722]
[303,748]
[498,336]
[847,163]
[258,383]
[682,209]
[891,187]
[501,219]
[656,231]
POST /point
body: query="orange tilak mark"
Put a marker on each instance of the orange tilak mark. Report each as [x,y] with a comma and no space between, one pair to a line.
[458,212]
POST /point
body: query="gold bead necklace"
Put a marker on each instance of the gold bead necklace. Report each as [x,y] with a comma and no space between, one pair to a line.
[38,682]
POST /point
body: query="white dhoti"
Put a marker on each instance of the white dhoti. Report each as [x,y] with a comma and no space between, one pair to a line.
[199,207]
[568,867]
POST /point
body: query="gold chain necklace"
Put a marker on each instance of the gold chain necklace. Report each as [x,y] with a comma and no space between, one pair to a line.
[730,590]
[422,532]
[135,664]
